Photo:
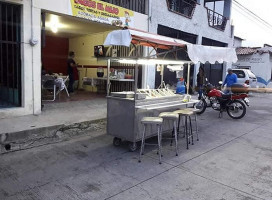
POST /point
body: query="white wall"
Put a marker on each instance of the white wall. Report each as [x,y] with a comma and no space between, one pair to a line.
[31,65]
[198,25]
[31,56]
[261,65]
[57,6]
[237,42]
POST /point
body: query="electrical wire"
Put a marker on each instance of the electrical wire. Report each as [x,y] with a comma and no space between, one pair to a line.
[257,22]
[252,15]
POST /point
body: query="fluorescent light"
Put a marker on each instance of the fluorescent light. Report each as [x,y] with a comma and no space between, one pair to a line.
[175,67]
[125,61]
[152,62]
[54,23]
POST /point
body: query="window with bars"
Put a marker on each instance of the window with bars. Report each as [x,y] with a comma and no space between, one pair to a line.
[10,55]
[215,10]
[137,6]
[182,7]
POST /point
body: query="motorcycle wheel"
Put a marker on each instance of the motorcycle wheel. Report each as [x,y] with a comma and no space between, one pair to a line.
[236,109]
[201,106]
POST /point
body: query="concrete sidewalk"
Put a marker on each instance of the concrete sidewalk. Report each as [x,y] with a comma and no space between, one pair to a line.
[21,131]
[232,161]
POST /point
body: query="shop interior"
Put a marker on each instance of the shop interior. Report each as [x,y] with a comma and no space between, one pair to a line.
[63,34]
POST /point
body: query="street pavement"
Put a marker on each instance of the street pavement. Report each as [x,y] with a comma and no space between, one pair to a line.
[232,160]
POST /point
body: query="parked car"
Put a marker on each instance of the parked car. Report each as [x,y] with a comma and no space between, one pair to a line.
[246,76]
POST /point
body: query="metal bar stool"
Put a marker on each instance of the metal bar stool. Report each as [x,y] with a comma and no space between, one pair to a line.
[195,110]
[151,121]
[170,116]
[188,133]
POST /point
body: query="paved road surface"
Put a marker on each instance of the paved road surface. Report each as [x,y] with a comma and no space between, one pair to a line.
[232,160]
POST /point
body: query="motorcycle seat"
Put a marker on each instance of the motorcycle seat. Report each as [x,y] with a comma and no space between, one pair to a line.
[226,96]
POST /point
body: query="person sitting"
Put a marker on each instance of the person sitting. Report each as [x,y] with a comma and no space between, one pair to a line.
[230,79]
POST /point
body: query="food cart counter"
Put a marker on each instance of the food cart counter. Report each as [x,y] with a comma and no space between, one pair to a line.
[124,115]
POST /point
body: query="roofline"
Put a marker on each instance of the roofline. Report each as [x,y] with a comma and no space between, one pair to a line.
[267,45]
[239,38]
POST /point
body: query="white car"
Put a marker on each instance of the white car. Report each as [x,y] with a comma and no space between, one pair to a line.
[246,76]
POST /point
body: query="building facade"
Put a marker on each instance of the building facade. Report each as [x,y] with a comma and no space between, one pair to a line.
[203,22]
[259,61]
[33,29]
[237,42]
[28,28]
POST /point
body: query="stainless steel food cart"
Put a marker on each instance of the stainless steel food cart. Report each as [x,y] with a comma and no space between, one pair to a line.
[126,109]
[124,115]
[124,112]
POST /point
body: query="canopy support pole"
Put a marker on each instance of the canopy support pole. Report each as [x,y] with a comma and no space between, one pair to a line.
[188,78]
[162,73]
[108,77]
[136,80]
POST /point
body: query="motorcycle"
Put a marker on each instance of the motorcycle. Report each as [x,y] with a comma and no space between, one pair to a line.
[234,104]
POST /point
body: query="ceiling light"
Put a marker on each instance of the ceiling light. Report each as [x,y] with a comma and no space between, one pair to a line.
[54,23]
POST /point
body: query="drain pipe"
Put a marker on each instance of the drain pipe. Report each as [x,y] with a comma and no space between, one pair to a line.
[32,42]
[149,12]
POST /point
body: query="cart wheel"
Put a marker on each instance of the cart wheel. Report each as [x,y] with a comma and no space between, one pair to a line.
[116,142]
[132,146]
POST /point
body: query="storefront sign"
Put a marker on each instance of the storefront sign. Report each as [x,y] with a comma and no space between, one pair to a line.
[252,60]
[102,12]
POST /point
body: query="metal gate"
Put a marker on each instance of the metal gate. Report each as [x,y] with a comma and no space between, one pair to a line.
[213,72]
[10,55]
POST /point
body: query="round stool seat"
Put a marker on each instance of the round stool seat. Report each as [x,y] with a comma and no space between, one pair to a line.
[152,120]
[169,115]
[184,112]
[194,110]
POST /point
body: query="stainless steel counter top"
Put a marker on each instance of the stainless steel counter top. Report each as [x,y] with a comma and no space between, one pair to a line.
[171,104]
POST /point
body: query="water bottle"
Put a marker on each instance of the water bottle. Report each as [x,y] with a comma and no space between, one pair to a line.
[180,87]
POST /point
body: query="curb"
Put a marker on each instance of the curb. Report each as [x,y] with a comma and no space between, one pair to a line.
[16,141]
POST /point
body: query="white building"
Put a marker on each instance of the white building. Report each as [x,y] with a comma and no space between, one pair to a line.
[237,42]
[203,22]
[36,33]
[259,61]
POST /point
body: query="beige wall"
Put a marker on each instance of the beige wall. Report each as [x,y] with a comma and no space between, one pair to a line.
[84,49]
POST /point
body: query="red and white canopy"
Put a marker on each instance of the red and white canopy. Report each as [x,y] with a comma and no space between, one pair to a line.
[197,53]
